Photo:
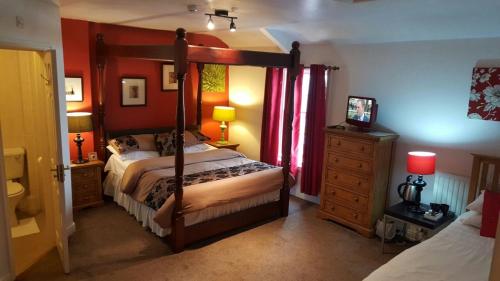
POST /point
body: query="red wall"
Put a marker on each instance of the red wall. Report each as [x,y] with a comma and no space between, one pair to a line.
[75,35]
[78,44]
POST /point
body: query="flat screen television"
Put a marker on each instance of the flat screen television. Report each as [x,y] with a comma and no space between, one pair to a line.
[361,111]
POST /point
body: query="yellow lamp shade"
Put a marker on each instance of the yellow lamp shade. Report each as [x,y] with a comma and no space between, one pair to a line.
[224,113]
[79,122]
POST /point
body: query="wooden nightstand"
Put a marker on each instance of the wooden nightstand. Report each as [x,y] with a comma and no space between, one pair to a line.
[228,145]
[86,184]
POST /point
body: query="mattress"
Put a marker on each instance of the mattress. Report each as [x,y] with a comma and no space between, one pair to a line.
[144,214]
[456,253]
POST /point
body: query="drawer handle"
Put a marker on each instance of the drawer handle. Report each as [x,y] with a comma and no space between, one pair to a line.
[333,192]
[335,177]
[360,165]
[336,160]
[362,148]
[339,143]
[359,183]
[356,199]
[355,216]
[332,208]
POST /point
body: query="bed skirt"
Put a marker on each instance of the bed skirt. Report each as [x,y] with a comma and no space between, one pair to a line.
[145,214]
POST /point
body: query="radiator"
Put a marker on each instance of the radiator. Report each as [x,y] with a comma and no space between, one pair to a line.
[452,190]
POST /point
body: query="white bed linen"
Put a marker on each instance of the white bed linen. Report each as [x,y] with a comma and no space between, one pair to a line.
[144,214]
[457,253]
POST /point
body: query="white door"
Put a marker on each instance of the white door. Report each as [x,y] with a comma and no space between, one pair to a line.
[57,167]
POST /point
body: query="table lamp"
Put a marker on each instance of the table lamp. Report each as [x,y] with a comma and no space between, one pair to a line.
[420,163]
[223,114]
[79,122]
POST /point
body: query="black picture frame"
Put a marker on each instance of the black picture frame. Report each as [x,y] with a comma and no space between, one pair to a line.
[133,91]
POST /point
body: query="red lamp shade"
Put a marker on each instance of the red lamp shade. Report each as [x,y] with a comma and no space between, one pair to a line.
[421,163]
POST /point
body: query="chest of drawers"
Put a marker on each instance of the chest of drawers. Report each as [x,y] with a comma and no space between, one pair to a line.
[356,171]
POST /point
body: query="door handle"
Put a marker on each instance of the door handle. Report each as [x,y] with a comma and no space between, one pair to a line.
[59,172]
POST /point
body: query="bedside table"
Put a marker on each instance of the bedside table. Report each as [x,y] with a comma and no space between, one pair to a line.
[86,184]
[400,212]
[228,145]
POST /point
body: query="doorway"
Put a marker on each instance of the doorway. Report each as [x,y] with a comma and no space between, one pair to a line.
[30,156]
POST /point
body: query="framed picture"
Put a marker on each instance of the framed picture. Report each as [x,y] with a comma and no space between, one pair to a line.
[214,78]
[168,77]
[133,91]
[73,86]
[92,156]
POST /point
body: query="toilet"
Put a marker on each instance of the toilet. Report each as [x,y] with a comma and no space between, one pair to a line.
[14,169]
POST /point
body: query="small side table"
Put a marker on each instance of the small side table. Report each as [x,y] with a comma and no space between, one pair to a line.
[86,184]
[228,145]
[400,212]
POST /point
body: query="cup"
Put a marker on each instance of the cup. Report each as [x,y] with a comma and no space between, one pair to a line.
[444,209]
[435,207]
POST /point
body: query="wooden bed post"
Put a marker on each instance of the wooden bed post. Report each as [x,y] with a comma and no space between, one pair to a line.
[101,63]
[288,126]
[180,47]
[199,67]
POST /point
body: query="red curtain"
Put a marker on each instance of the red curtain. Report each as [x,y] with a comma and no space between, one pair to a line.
[296,122]
[270,136]
[314,136]
[272,119]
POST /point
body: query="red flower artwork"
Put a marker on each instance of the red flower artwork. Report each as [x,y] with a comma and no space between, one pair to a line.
[484,100]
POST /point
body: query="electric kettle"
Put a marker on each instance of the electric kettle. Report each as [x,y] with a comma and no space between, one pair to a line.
[409,192]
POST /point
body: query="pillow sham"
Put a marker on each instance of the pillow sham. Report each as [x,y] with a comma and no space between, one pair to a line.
[165,142]
[124,144]
[477,205]
[133,155]
[472,218]
[491,208]
[200,137]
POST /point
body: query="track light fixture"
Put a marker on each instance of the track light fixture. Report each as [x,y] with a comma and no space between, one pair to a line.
[221,14]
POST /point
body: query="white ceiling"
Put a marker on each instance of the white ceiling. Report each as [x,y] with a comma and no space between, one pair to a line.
[308,21]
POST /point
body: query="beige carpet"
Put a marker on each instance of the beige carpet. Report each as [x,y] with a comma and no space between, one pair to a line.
[110,245]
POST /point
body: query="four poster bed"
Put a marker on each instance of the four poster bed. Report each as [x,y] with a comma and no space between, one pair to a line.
[252,192]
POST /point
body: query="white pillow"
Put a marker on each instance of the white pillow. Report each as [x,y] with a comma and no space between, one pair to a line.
[133,155]
[198,148]
[471,218]
[477,205]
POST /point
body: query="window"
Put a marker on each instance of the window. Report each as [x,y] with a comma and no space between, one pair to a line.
[303,112]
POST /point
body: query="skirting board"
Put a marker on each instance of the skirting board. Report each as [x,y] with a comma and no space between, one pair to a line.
[70,229]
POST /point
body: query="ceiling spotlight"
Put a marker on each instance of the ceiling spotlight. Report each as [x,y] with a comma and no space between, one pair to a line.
[232,26]
[210,24]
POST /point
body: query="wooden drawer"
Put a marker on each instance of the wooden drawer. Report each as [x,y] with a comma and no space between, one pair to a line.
[350,145]
[85,187]
[356,165]
[84,174]
[344,212]
[346,198]
[351,182]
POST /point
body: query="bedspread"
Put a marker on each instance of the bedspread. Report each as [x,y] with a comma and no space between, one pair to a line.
[142,178]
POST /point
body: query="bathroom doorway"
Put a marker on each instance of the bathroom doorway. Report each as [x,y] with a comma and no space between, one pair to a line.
[32,174]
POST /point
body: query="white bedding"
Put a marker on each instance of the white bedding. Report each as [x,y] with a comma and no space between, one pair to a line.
[116,168]
[457,253]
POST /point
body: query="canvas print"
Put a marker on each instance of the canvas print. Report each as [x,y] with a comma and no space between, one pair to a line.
[484,99]
[214,78]
[73,86]
[133,91]
[168,78]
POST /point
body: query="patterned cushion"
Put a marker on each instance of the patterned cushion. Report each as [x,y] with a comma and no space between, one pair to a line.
[124,144]
[165,144]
